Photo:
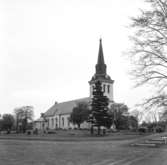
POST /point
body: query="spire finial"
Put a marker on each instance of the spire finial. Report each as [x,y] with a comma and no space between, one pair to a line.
[100,40]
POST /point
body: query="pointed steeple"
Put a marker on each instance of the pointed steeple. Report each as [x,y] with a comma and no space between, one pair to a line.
[101,75]
[100,66]
[100,54]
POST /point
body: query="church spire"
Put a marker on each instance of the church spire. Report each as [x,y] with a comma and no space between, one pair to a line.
[100,54]
[101,75]
[100,66]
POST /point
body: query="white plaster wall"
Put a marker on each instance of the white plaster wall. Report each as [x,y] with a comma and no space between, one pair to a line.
[51,123]
[66,124]
[91,91]
[52,126]
[109,95]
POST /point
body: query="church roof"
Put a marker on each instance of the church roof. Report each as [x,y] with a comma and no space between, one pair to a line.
[64,107]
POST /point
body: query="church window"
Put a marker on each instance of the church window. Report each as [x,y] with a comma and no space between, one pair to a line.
[104,87]
[108,88]
[56,122]
[68,119]
[52,122]
[63,121]
[48,122]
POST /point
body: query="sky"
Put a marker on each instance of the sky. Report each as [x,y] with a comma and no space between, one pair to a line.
[49,48]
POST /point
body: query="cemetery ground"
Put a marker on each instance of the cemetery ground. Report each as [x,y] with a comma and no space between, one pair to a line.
[79,148]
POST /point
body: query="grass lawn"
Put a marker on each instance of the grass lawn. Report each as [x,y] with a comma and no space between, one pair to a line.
[106,151]
[14,152]
[76,135]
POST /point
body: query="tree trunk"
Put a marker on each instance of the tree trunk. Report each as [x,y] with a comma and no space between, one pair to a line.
[79,126]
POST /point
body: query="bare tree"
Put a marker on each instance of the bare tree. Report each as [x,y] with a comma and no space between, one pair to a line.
[149,53]
[163,115]
[155,116]
[137,114]
[23,116]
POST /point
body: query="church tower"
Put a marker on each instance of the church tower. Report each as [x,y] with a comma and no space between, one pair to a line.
[101,75]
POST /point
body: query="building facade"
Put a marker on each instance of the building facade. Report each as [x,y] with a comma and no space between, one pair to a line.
[57,117]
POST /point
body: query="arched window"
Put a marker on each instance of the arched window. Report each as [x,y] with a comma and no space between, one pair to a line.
[108,88]
[52,122]
[68,119]
[48,122]
[56,122]
[63,121]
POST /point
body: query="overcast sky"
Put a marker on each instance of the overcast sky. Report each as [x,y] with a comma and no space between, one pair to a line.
[49,48]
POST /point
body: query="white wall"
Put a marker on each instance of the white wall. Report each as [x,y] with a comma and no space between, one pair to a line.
[109,95]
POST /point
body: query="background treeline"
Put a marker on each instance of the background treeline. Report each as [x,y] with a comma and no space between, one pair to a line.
[19,122]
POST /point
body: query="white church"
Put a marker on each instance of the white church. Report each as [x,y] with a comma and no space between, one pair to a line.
[58,115]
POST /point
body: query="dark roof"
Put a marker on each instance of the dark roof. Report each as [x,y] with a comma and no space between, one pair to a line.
[100,66]
[64,107]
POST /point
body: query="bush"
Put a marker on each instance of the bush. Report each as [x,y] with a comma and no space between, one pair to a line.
[159,129]
[51,132]
[35,131]
[143,129]
[29,132]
